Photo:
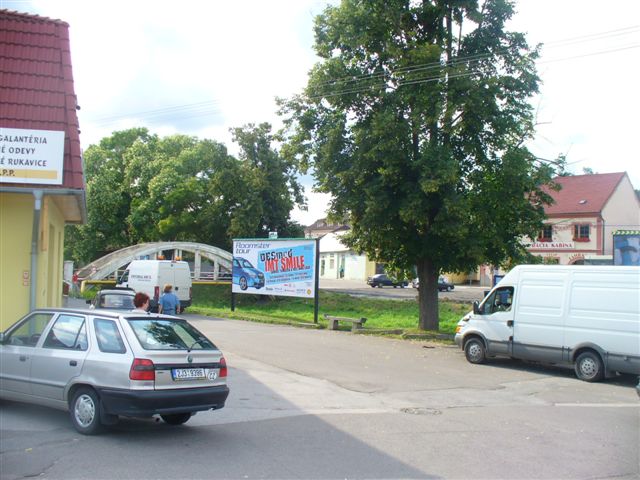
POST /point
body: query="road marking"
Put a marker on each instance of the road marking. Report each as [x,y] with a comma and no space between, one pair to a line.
[595,405]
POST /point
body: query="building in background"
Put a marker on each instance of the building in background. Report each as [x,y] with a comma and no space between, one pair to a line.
[337,261]
[585,214]
[322,226]
[41,172]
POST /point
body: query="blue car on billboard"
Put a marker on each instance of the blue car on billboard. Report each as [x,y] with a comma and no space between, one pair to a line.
[246,275]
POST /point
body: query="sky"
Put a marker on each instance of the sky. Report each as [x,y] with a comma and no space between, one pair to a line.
[201,67]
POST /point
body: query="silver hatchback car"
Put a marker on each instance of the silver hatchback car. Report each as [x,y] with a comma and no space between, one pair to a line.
[99,364]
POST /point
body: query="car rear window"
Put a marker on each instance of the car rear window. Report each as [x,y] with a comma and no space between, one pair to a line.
[163,334]
[117,301]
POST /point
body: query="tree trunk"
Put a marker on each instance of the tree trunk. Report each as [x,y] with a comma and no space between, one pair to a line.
[428,295]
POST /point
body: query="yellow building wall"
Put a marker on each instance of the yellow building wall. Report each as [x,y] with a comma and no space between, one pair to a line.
[16,223]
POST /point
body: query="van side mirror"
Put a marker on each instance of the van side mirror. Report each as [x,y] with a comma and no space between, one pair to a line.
[476,308]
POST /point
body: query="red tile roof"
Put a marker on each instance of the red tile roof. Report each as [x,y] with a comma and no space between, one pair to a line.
[583,193]
[36,85]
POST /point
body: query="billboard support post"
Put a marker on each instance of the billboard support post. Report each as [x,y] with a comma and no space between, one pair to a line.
[316,299]
[233,302]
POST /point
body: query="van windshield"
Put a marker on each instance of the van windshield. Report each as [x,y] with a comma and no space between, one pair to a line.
[125,277]
[164,334]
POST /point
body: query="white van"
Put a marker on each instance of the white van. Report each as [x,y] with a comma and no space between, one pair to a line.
[586,316]
[150,277]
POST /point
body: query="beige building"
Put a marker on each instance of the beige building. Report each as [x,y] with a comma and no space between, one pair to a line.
[586,212]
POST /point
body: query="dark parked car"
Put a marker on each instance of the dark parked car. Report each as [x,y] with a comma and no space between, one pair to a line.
[113,299]
[382,280]
[443,285]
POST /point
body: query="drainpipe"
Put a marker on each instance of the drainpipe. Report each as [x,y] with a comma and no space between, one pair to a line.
[37,194]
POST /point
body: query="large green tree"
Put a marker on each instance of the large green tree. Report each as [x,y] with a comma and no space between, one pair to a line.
[415,121]
[143,188]
[273,184]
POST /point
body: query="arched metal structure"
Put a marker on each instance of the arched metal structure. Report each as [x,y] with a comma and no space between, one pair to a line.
[104,267]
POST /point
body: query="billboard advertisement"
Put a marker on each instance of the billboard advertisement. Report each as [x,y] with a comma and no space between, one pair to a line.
[274,267]
[626,247]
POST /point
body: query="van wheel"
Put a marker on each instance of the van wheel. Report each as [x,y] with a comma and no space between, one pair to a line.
[243,283]
[176,418]
[589,367]
[474,351]
[85,411]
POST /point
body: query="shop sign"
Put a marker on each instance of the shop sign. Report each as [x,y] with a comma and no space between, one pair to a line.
[552,246]
[31,156]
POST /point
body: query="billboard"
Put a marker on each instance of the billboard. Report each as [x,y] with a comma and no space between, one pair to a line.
[274,267]
[626,247]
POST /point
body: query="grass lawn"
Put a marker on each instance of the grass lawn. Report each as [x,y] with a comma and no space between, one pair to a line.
[215,300]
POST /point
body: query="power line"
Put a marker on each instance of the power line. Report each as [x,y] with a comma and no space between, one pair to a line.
[428,79]
[477,57]
[179,111]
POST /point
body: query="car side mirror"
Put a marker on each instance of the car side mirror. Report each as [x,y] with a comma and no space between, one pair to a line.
[476,308]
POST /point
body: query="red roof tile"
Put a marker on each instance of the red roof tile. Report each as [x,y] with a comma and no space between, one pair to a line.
[583,193]
[36,85]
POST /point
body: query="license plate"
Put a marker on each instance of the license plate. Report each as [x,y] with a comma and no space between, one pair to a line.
[188,373]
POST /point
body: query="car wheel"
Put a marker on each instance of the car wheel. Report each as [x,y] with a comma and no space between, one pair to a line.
[449,288]
[379,285]
[176,418]
[373,285]
[243,283]
[589,367]
[474,351]
[85,411]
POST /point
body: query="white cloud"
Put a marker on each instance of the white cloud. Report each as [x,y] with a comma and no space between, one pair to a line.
[318,205]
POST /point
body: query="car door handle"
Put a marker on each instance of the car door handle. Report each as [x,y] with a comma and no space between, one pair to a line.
[73,363]
[23,358]
[509,323]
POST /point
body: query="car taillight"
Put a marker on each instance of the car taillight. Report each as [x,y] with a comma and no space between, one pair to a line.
[156,293]
[142,369]
[223,367]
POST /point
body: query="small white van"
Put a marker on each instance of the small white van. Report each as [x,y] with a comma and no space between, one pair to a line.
[150,277]
[585,316]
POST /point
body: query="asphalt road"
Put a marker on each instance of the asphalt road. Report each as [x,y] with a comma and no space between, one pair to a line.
[462,293]
[324,404]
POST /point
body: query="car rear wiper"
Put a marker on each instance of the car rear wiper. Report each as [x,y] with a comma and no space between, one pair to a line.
[199,341]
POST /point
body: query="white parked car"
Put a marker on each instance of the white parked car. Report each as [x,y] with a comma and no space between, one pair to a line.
[101,364]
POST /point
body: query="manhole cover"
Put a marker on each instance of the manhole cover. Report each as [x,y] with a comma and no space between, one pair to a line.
[421,411]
